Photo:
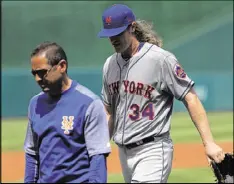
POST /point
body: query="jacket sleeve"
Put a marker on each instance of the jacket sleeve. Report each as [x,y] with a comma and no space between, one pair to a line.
[31,168]
[31,154]
[98,169]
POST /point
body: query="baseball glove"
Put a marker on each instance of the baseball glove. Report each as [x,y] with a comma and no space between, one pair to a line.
[224,171]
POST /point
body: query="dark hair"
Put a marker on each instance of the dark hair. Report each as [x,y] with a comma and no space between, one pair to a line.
[53,52]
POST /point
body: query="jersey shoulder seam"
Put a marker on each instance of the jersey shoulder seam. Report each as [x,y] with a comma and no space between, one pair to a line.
[86,92]
[165,53]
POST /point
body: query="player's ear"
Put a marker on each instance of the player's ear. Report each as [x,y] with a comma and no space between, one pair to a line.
[133,27]
[63,66]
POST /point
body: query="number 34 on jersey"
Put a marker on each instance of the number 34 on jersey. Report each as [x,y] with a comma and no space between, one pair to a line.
[136,113]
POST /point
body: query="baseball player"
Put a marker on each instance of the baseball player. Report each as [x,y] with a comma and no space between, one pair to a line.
[67,138]
[140,82]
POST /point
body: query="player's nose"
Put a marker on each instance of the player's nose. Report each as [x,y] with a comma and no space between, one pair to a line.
[114,41]
[114,38]
[37,78]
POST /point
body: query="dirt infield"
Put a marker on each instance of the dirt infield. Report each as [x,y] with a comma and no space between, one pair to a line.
[185,156]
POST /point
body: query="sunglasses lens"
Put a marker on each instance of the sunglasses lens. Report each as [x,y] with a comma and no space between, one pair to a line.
[33,72]
[40,73]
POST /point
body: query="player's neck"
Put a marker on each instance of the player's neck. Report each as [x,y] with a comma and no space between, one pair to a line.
[66,84]
[132,49]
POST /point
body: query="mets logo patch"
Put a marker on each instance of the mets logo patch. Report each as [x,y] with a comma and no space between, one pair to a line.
[179,71]
[108,20]
[67,124]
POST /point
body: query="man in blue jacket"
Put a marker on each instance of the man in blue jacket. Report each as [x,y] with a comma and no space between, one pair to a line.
[67,139]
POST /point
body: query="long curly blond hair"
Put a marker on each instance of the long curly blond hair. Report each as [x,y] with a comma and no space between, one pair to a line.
[144,33]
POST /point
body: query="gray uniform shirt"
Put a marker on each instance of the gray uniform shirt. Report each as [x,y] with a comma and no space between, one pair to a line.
[140,92]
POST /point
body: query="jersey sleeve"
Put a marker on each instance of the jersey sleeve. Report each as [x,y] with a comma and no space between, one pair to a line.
[105,94]
[96,129]
[98,169]
[177,82]
[31,173]
[31,153]
[30,139]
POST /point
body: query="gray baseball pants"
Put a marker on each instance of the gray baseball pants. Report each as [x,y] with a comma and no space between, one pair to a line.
[147,163]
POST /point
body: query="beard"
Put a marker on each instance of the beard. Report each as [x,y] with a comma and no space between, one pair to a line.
[54,88]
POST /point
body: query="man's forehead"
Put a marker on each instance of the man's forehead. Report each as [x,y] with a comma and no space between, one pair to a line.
[40,59]
[39,62]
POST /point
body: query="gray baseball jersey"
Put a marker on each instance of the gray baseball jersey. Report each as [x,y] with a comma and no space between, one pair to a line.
[140,92]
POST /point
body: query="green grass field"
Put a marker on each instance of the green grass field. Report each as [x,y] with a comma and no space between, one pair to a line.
[182,131]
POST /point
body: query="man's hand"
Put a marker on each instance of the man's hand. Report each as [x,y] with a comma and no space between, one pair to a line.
[214,152]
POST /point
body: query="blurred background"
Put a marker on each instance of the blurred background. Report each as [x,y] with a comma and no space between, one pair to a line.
[199,33]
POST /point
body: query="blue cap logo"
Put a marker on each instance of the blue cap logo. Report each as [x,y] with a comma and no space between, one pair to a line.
[108,20]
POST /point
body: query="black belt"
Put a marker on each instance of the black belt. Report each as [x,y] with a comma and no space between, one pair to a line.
[147,140]
[141,142]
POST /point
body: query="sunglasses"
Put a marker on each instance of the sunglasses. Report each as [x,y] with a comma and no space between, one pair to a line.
[43,72]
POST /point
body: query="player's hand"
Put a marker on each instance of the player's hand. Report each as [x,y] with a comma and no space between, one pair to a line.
[214,152]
